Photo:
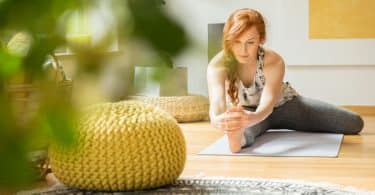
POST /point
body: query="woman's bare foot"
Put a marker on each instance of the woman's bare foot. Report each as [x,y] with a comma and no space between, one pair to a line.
[235,140]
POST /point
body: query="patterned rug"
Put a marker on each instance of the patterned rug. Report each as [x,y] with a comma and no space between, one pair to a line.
[211,185]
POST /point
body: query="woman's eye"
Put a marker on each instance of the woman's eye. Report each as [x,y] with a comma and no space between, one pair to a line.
[250,43]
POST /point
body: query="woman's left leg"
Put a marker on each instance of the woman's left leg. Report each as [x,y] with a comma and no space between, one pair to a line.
[307,114]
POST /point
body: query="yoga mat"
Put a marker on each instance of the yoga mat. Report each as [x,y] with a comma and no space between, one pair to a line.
[283,142]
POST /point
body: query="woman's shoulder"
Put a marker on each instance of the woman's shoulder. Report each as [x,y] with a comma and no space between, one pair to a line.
[217,60]
[216,65]
[272,58]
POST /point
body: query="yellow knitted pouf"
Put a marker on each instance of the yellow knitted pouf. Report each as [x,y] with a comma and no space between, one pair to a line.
[127,145]
[188,108]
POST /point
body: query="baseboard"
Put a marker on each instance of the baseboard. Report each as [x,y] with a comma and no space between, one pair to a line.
[362,110]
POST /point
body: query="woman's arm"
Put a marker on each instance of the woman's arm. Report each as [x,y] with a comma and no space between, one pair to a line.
[216,75]
[219,115]
[229,122]
[274,70]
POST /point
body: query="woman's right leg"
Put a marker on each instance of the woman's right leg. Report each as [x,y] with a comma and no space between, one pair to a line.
[307,114]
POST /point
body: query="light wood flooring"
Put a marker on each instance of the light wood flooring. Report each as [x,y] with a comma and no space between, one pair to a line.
[355,165]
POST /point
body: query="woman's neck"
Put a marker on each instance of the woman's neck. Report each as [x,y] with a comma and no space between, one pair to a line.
[247,68]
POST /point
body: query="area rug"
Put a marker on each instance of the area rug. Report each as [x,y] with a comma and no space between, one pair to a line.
[283,142]
[224,185]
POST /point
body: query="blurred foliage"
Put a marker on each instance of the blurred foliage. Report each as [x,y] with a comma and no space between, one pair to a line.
[13,63]
[156,27]
[28,122]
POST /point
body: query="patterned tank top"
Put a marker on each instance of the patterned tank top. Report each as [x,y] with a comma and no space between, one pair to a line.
[250,96]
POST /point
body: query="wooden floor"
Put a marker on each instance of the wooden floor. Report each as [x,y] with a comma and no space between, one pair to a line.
[355,165]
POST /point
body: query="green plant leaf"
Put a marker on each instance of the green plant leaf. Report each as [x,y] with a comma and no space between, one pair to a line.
[14,167]
[37,16]
[152,24]
[9,63]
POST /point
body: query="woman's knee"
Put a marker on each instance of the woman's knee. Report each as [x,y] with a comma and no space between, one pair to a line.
[355,124]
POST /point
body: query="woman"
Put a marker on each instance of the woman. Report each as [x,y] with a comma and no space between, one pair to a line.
[247,93]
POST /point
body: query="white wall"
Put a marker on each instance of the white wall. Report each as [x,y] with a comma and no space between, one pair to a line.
[339,71]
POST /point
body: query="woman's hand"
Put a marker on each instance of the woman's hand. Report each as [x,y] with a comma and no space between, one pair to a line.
[233,123]
[236,118]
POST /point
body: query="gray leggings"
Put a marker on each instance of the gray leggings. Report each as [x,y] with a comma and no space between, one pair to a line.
[306,114]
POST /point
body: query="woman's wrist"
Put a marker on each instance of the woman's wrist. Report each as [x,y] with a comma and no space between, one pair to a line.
[253,117]
[262,114]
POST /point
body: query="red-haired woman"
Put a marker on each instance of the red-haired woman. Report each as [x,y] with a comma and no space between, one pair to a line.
[247,93]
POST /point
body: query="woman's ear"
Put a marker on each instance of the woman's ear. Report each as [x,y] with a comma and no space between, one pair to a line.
[261,43]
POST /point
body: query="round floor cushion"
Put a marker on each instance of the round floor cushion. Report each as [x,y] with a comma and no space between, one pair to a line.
[127,145]
[188,108]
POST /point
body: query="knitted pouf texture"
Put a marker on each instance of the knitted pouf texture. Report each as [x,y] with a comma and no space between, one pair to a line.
[127,145]
[189,108]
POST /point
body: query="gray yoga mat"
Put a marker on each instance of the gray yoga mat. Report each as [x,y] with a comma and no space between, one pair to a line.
[283,142]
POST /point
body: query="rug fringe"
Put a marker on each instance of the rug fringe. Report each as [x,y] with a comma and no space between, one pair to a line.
[334,186]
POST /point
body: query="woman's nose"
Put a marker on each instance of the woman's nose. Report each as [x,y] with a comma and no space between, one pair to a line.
[244,49]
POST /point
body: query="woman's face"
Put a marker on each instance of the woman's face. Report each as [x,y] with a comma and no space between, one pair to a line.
[246,45]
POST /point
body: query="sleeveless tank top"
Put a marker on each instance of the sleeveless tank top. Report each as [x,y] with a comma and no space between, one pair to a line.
[250,96]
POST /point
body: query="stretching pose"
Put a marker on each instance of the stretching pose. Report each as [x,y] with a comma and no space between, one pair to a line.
[247,93]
